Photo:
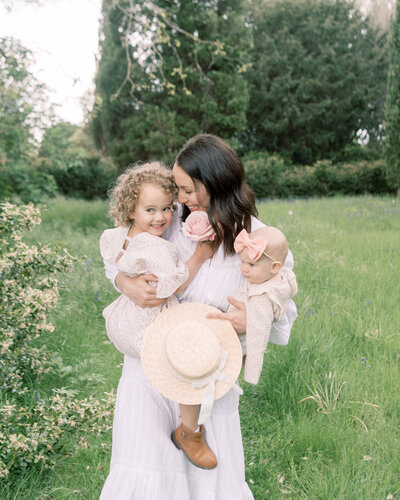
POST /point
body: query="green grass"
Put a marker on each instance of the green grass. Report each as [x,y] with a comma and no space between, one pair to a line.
[324,421]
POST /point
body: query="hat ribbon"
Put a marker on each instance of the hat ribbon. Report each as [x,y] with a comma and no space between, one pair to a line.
[255,246]
[208,381]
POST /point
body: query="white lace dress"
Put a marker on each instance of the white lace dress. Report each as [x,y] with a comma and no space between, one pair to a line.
[125,321]
[145,464]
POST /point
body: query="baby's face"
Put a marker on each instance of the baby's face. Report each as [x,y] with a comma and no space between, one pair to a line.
[256,271]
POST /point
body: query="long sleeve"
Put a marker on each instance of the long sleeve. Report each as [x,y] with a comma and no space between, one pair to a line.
[260,315]
[280,331]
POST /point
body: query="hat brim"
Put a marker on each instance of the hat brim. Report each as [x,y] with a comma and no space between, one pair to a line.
[152,360]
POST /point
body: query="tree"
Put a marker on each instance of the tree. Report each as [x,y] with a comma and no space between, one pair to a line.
[18,89]
[68,153]
[317,79]
[23,111]
[167,71]
[392,149]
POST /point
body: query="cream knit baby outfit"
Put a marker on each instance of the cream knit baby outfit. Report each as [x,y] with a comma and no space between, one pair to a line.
[265,303]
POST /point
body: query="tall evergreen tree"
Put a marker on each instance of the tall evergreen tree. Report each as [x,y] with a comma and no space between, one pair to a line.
[392,149]
[318,77]
[169,70]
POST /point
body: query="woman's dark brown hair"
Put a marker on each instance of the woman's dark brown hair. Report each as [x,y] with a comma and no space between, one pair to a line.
[210,160]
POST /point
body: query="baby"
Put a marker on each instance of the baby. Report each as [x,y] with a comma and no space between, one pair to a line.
[265,291]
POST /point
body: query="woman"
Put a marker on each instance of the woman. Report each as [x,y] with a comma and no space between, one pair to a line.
[145,464]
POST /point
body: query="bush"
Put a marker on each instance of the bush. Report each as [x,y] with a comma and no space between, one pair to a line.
[68,153]
[263,174]
[87,177]
[82,175]
[26,183]
[33,424]
[355,152]
[269,176]
[326,178]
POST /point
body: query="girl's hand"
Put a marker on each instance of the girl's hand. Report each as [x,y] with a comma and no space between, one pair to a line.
[204,250]
[139,290]
[237,318]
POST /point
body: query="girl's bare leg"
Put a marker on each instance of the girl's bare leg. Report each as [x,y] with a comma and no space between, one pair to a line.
[190,415]
[189,437]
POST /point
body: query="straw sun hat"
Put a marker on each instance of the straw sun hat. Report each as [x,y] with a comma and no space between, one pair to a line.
[191,359]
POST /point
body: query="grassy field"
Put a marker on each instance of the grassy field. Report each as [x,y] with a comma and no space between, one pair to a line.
[324,422]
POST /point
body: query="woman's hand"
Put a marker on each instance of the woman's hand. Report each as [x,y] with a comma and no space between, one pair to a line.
[237,317]
[204,250]
[139,290]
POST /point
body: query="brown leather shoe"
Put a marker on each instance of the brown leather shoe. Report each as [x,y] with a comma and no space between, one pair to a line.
[194,446]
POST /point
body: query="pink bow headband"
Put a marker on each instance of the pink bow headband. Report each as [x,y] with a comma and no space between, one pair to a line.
[255,247]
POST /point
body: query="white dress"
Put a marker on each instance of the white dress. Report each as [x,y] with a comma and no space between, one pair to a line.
[145,464]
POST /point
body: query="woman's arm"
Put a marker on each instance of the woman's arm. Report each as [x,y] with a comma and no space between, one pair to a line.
[203,252]
[138,289]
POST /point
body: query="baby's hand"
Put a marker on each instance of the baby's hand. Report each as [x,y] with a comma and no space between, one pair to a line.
[204,250]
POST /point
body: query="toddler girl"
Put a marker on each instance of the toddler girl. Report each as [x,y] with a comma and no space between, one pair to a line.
[266,291]
[142,205]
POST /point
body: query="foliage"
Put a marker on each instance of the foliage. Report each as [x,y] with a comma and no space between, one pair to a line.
[29,289]
[264,174]
[317,78]
[26,182]
[270,176]
[22,112]
[355,152]
[31,436]
[18,88]
[167,71]
[393,108]
[32,423]
[68,154]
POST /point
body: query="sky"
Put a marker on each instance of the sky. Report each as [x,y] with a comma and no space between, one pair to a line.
[63,36]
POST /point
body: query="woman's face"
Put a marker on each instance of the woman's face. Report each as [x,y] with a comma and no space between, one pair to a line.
[194,197]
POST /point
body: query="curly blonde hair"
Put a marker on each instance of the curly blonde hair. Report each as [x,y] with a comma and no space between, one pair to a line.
[125,193]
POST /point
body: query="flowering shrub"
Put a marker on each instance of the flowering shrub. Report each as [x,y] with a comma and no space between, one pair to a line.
[32,436]
[31,423]
[29,290]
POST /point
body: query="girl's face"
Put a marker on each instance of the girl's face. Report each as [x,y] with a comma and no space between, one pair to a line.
[153,212]
[194,197]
